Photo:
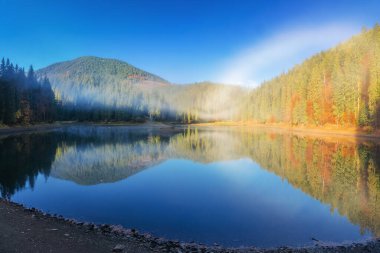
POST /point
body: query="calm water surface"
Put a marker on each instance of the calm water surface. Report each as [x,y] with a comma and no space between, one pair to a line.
[231,186]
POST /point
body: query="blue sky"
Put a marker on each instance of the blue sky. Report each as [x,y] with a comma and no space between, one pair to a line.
[182,41]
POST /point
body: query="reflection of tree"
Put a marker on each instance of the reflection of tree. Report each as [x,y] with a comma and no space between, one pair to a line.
[86,155]
[22,158]
[204,146]
[342,174]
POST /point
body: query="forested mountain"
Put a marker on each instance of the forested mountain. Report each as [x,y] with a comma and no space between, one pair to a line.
[340,86]
[24,98]
[96,71]
[93,83]
[96,89]
[92,88]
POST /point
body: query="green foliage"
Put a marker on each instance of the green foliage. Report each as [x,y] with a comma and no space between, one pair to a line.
[96,71]
[24,99]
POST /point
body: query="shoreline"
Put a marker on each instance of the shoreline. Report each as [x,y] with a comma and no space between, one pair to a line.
[12,130]
[320,131]
[42,232]
[316,131]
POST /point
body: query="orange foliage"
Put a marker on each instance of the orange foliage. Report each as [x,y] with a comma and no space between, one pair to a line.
[272,136]
[294,100]
[348,151]
[327,115]
[310,111]
[272,119]
[349,118]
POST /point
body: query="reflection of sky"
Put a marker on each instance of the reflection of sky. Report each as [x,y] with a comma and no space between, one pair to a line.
[233,203]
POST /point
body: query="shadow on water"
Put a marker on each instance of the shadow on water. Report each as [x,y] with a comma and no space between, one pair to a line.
[343,173]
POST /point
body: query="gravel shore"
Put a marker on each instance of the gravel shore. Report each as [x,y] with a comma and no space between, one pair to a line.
[30,230]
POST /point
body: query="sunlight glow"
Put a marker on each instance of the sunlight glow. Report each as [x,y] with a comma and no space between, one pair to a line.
[276,54]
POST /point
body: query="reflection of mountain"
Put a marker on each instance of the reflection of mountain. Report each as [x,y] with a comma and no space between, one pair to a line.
[115,156]
[105,163]
[104,155]
[342,174]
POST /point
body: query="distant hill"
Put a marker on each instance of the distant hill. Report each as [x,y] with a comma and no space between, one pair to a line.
[106,89]
[98,82]
[91,70]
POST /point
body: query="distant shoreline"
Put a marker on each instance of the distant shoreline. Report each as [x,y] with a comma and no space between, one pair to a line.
[323,131]
[304,130]
[19,129]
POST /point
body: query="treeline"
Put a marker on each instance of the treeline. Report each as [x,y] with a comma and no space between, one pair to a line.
[340,86]
[23,98]
[135,102]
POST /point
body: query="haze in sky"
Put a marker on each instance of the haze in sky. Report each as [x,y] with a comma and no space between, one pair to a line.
[237,42]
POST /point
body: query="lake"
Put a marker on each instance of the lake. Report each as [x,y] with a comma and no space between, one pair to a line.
[232,186]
